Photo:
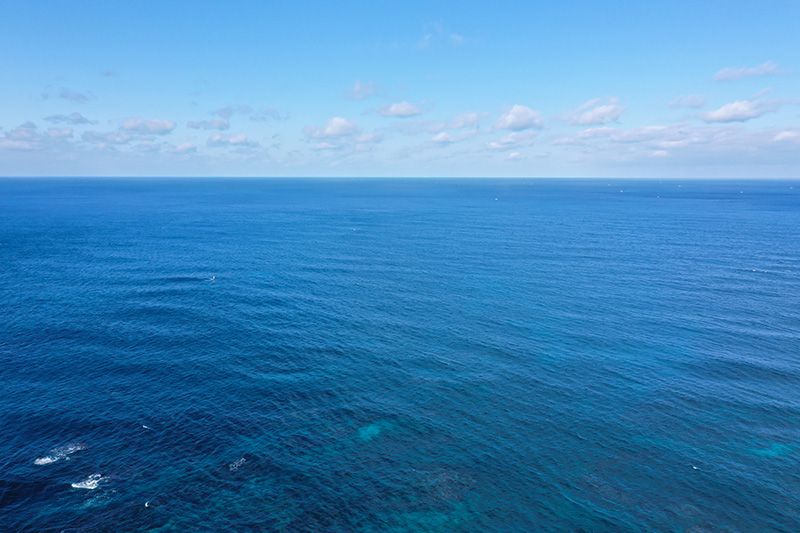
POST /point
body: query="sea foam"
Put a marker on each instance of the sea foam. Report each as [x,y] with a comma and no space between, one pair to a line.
[91,482]
[57,454]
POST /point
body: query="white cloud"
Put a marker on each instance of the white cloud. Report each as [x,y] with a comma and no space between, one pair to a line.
[740,73]
[184,148]
[336,127]
[214,124]
[514,155]
[466,120]
[400,109]
[74,119]
[519,117]
[592,133]
[692,101]
[257,115]
[112,137]
[740,111]
[23,132]
[228,112]
[367,138]
[439,34]
[72,95]
[787,135]
[596,112]
[59,133]
[513,140]
[147,147]
[327,146]
[23,137]
[67,94]
[443,138]
[363,90]
[219,140]
[155,126]
[9,144]
[446,138]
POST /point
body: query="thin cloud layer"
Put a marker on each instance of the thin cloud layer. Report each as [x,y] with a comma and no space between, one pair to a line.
[596,112]
[217,140]
[400,109]
[740,73]
[740,111]
[214,124]
[693,101]
[363,90]
[154,126]
[335,127]
[74,119]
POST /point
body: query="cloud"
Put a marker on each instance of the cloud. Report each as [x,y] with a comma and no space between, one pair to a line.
[109,73]
[264,115]
[443,138]
[368,138]
[214,124]
[513,140]
[466,120]
[688,146]
[184,148]
[363,90]
[257,115]
[23,132]
[739,73]
[219,140]
[740,111]
[148,147]
[327,146]
[336,127]
[155,126]
[112,137]
[67,94]
[74,119]
[400,109]
[27,137]
[58,133]
[519,117]
[438,34]
[692,101]
[787,135]
[229,111]
[73,96]
[446,138]
[595,112]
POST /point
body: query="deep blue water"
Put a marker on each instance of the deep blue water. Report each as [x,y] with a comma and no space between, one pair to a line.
[399,355]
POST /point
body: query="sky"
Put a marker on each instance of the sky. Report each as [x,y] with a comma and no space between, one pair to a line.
[371,89]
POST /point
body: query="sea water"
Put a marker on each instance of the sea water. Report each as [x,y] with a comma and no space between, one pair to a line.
[399,355]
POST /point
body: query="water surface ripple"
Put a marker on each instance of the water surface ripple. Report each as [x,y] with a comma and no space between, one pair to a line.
[399,355]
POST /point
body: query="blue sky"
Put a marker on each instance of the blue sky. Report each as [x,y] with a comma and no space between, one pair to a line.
[646,89]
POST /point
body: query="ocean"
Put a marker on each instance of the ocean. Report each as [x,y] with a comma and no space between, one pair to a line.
[420,355]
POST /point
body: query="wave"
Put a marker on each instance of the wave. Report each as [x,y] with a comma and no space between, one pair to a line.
[90,483]
[57,454]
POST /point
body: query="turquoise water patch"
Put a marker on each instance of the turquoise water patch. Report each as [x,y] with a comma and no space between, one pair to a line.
[373,431]
[774,450]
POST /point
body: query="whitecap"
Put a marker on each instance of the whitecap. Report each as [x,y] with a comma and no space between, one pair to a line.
[57,454]
[91,482]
